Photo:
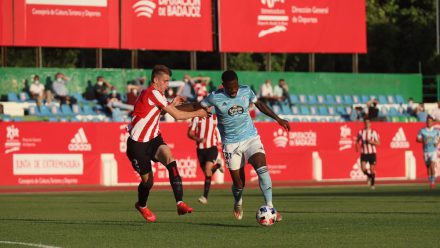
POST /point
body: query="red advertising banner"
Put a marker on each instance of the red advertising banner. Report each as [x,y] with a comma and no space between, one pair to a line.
[37,153]
[6,23]
[308,26]
[167,25]
[65,23]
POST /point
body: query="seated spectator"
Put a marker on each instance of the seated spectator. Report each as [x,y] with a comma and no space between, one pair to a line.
[61,92]
[113,100]
[265,94]
[187,90]
[36,90]
[373,110]
[138,84]
[411,108]
[358,114]
[101,89]
[132,95]
[435,113]
[281,92]
[421,113]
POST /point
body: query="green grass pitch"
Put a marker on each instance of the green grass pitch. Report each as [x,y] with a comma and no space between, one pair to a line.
[390,216]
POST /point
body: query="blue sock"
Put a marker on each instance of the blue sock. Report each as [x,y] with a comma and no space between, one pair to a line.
[237,194]
[265,184]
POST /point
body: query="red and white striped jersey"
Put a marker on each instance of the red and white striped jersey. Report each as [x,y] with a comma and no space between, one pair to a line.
[206,128]
[144,124]
[365,135]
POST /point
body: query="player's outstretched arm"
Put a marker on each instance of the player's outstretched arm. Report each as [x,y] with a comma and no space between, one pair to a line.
[267,111]
[189,107]
[183,115]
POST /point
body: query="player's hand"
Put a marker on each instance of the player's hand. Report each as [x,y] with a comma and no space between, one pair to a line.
[285,124]
[178,100]
[198,141]
[202,113]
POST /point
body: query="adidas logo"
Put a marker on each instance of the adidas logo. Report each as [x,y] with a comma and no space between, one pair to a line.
[144,8]
[399,140]
[80,142]
[356,172]
[280,138]
[224,104]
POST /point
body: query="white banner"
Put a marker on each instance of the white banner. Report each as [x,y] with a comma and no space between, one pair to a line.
[48,164]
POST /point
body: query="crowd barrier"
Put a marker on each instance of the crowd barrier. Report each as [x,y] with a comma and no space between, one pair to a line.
[37,153]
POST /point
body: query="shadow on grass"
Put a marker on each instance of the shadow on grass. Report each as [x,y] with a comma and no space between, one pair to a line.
[78,222]
[362,193]
[363,213]
[120,223]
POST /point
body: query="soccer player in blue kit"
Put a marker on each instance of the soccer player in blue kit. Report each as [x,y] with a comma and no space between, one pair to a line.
[241,142]
[429,136]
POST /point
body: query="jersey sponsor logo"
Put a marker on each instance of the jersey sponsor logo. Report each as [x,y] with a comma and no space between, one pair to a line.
[12,143]
[346,140]
[235,110]
[399,140]
[79,142]
[283,139]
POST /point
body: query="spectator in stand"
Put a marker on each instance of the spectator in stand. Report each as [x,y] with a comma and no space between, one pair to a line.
[187,91]
[265,94]
[200,87]
[410,109]
[281,92]
[113,100]
[373,111]
[435,113]
[59,87]
[101,89]
[138,84]
[357,114]
[421,113]
[132,95]
[36,90]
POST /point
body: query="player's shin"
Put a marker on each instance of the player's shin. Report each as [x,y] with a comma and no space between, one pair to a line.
[175,181]
[144,192]
[265,184]
[237,192]
[207,186]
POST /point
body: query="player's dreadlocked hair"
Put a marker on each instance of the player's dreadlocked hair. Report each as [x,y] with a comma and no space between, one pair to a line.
[229,75]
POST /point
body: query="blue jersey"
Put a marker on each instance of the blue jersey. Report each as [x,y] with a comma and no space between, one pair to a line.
[431,135]
[234,121]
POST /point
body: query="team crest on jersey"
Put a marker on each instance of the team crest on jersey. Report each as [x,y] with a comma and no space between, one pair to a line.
[235,110]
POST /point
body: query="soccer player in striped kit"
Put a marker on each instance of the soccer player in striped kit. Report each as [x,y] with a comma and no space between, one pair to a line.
[367,140]
[145,143]
[205,133]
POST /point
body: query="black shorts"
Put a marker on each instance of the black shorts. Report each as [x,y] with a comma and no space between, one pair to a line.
[207,155]
[141,153]
[369,158]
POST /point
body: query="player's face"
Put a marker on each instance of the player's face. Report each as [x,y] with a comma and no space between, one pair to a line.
[429,122]
[231,87]
[367,124]
[162,81]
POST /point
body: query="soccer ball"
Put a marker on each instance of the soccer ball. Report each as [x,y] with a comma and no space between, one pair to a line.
[266,216]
